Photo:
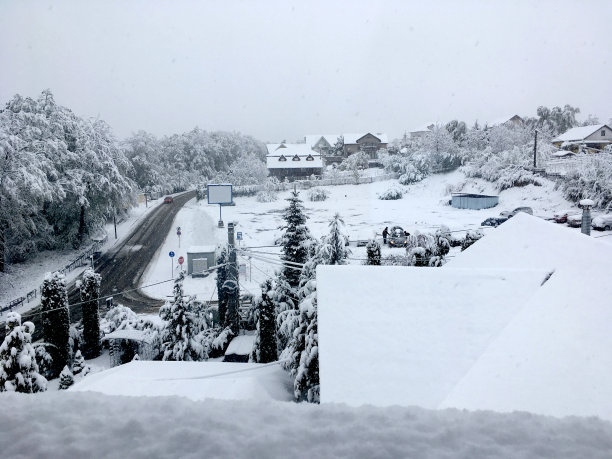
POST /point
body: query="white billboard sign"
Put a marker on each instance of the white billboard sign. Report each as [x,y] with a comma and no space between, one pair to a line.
[219,194]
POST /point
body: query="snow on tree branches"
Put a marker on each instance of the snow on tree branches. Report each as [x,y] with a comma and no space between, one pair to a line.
[18,367]
[90,291]
[56,320]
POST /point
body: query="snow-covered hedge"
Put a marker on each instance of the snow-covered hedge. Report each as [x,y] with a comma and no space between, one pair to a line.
[391,194]
[318,194]
[592,180]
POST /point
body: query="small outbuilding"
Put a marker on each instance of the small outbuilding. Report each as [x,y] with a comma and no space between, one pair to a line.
[199,259]
[473,201]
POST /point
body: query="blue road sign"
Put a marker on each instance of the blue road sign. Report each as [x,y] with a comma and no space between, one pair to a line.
[171,254]
[239,235]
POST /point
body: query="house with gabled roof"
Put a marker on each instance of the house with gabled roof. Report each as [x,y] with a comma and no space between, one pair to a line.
[595,136]
[367,142]
[293,160]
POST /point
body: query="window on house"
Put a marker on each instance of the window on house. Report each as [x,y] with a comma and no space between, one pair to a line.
[603,132]
[296,158]
[282,158]
[309,158]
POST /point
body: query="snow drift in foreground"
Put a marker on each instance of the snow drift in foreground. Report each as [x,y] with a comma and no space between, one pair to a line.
[89,424]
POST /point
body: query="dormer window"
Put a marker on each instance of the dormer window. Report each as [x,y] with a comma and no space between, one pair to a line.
[309,158]
[282,158]
[296,158]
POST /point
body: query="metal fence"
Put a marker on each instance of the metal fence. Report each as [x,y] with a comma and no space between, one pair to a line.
[82,260]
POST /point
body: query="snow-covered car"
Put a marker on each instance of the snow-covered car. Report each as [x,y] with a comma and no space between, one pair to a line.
[561,216]
[574,220]
[397,237]
[602,222]
[494,221]
[527,210]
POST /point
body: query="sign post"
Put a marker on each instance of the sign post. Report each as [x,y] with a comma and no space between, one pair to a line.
[181,260]
[239,236]
[219,194]
[172,264]
[178,233]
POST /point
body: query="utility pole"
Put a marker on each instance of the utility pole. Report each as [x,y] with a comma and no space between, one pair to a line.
[231,284]
[535,147]
[115,223]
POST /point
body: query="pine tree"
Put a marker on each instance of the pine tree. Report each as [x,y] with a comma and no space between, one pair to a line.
[286,311]
[79,365]
[296,238]
[222,258]
[178,341]
[56,320]
[334,248]
[373,251]
[18,367]
[264,348]
[66,378]
[232,293]
[90,292]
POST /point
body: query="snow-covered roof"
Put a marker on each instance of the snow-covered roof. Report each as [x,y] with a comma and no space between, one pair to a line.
[563,153]
[290,151]
[312,139]
[352,138]
[194,380]
[423,128]
[501,120]
[241,345]
[135,335]
[553,357]
[387,336]
[578,133]
[201,249]
[482,332]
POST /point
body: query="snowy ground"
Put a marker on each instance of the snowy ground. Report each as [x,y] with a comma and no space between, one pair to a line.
[424,207]
[23,277]
[70,424]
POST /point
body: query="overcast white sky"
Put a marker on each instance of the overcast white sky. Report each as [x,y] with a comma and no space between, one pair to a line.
[279,70]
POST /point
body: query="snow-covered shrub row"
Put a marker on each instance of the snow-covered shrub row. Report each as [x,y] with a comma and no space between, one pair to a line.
[318,194]
[391,194]
[356,161]
[592,180]
[61,176]
[423,249]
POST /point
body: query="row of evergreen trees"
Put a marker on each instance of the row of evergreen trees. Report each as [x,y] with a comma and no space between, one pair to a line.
[24,368]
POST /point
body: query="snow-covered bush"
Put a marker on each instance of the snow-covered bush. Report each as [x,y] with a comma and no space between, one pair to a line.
[591,180]
[266,196]
[471,237]
[318,194]
[392,193]
[220,343]
[66,379]
[396,260]
[373,253]
[18,367]
[357,161]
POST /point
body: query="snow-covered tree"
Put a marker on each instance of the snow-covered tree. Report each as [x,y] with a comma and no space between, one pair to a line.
[222,259]
[90,292]
[66,378]
[338,148]
[79,365]
[373,251]
[56,320]
[43,359]
[296,238]
[18,367]
[178,338]
[334,248]
[264,347]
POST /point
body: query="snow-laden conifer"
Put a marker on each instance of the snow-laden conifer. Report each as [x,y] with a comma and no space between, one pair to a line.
[79,365]
[18,367]
[56,320]
[264,347]
[373,252]
[178,341]
[90,292]
[66,378]
[222,259]
[334,247]
[295,239]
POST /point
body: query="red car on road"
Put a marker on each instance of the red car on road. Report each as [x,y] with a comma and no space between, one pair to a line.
[168,200]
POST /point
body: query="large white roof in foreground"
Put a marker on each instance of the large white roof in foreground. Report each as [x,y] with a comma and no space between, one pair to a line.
[194,380]
[406,336]
[440,338]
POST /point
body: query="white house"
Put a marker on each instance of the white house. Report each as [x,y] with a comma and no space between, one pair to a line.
[421,131]
[596,136]
[353,142]
[293,160]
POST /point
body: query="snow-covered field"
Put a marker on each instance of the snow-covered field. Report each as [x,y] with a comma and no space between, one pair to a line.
[424,207]
[69,424]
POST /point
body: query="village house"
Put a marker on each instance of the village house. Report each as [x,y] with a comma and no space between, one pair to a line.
[421,131]
[508,121]
[293,160]
[596,136]
[367,142]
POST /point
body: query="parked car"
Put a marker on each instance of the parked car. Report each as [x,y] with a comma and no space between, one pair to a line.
[602,222]
[527,210]
[561,216]
[493,221]
[397,237]
[505,214]
[574,220]
[168,200]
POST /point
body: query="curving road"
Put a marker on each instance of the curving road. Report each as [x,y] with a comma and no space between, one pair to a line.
[123,266]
